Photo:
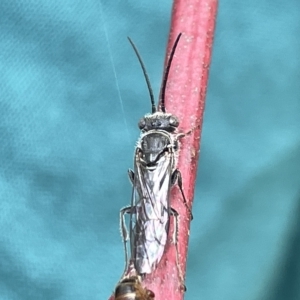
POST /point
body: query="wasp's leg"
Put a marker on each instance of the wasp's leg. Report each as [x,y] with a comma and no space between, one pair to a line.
[176,176]
[131,176]
[192,130]
[175,214]
[124,231]
[182,135]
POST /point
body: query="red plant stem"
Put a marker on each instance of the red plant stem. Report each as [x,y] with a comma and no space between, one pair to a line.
[185,98]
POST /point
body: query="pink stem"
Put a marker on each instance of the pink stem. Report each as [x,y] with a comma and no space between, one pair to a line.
[185,98]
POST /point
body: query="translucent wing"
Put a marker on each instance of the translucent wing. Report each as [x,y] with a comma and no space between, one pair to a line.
[150,223]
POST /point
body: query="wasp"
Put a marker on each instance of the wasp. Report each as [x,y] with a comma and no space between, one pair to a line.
[131,289]
[154,174]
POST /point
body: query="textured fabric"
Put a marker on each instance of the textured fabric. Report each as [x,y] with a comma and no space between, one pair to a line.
[71,94]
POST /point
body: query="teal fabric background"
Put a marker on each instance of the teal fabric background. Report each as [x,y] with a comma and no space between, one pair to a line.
[71,94]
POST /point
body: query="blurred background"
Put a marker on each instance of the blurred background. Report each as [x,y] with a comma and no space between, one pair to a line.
[71,94]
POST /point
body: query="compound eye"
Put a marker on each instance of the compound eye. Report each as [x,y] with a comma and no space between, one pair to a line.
[173,121]
[142,123]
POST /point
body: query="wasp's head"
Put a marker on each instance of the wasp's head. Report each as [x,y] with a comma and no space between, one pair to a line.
[159,120]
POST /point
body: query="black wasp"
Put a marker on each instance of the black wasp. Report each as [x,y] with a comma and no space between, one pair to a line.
[131,289]
[154,174]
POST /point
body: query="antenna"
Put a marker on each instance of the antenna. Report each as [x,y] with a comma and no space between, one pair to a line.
[165,78]
[145,75]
